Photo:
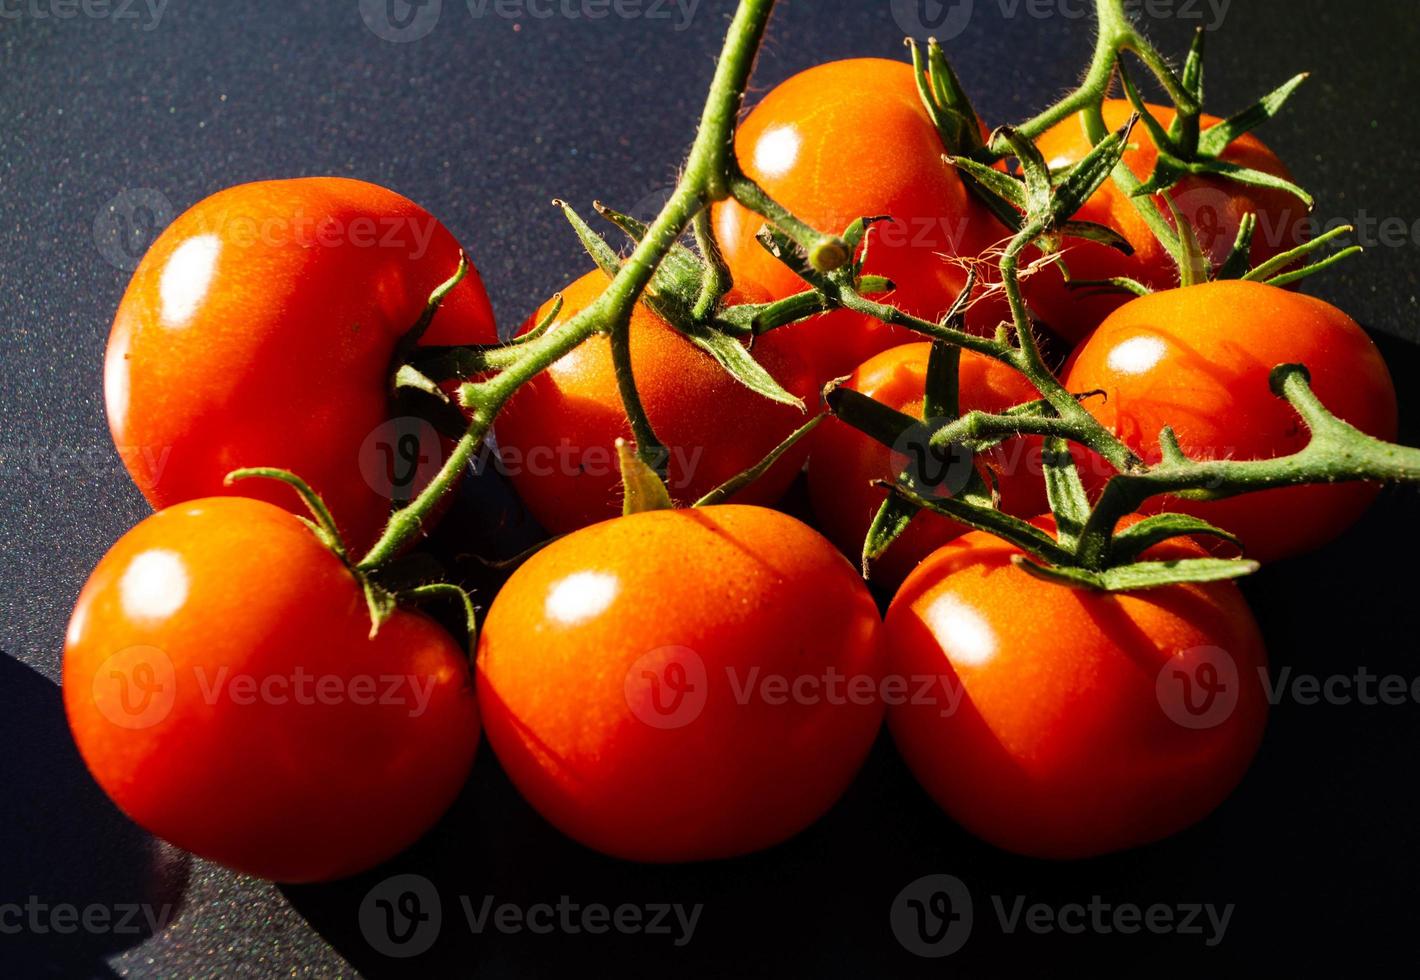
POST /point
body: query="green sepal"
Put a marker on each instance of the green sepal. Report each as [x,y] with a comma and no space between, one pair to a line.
[446,590]
[739,481]
[1214,140]
[1239,260]
[732,355]
[1138,538]
[1141,575]
[380,601]
[642,487]
[1065,491]
[891,520]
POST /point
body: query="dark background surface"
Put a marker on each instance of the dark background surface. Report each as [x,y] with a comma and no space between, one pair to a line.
[482,122]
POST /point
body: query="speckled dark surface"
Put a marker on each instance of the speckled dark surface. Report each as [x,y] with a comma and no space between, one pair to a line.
[483,121]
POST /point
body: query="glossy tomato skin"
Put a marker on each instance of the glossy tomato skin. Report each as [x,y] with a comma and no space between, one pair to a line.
[846,140]
[1079,722]
[259,330]
[557,434]
[638,707]
[1213,207]
[844,463]
[1198,359]
[222,688]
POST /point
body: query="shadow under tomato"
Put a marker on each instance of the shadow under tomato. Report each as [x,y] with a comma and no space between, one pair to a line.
[67,847]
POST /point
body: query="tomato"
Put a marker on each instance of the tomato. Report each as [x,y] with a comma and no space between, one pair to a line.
[1198,359]
[1072,723]
[847,140]
[557,434]
[1213,206]
[222,688]
[259,330]
[844,463]
[657,715]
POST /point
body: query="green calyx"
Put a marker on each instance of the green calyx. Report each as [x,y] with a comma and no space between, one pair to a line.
[382,597]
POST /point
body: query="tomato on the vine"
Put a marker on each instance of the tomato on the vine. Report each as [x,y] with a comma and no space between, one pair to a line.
[1198,360]
[557,434]
[663,716]
[1071,722]
[1213,206]
[260,330]
[848,140]
[223,689]
[844,463]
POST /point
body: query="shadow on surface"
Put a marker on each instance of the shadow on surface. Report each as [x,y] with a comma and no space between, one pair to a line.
[79,882]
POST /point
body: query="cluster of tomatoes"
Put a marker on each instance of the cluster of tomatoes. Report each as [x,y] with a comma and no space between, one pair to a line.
[683,684]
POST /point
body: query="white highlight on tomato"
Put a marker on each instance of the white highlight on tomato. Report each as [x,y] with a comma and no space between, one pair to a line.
[967,637]
[777,151]
[1137,355]
[186,278]
[154,585]
[581,596]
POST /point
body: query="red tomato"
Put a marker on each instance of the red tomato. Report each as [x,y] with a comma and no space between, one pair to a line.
[1214,207]
[1072,723]
[259,330]
[847,140]
[557,434]
[658,715]
[844,462]
[223,689]
[1198,359]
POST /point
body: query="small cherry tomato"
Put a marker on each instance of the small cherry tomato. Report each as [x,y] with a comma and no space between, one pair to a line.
[260,330]
[223,689]
[658,715]
[844,463]
[557,434]
[1070,722]
[848,140]
[1213,206]
[1198,359]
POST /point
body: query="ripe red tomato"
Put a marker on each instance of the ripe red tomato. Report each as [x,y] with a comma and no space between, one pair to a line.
[1198,359]
[1072,723]
[847,140]
[844,463]
[259,330]
[557,434]
[657,715]
[222,687]
[1213,206]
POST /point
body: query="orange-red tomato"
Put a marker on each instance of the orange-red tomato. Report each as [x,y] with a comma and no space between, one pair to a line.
[557,434]
[847,140]
[663,716]
[844,463]
[223,689]
[1198,359]
[1213,206]
[259,330]
[1071,722]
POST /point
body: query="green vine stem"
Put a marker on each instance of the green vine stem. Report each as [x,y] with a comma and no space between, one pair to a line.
[711,174]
